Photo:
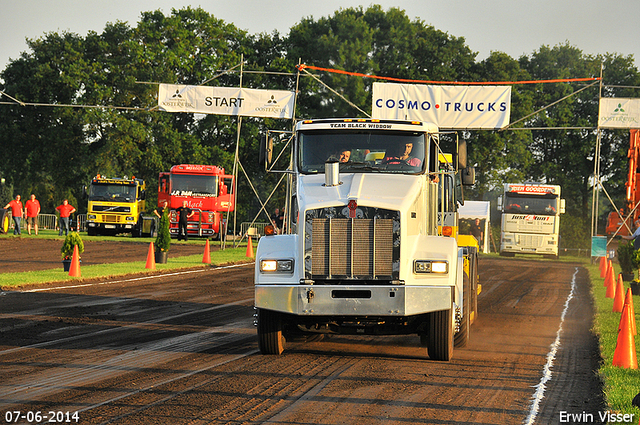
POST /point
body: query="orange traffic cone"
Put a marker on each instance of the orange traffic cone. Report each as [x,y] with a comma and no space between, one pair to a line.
[151,258]
[74,270]
[611,289]
[628,303]
[625,354]
[249,248]
[603,266]
[609,276]
[618,299]
[206,257]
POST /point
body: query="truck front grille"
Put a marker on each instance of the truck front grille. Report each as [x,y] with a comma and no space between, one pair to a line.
[110,218]
[107,208]
[352,248]
[530,241]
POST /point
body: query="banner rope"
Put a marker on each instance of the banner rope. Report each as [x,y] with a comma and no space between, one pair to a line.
[477,83]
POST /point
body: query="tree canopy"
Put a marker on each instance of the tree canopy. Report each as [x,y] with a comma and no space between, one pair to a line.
[54,151]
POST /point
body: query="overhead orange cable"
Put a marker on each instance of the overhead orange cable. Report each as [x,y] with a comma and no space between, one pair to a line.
[482,83]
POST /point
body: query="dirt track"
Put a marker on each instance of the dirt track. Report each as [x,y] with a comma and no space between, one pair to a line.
[182,349]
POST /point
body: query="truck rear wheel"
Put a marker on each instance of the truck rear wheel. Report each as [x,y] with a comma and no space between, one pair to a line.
[440,343]
[270,337]
[462,336]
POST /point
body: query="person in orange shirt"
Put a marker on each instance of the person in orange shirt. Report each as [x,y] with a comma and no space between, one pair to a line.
[31,211]
[65,211]
[16,213]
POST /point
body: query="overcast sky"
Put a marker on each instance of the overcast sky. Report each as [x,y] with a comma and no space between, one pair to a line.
[515,27]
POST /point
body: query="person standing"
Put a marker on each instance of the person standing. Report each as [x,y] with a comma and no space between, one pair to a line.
[31,211]
[16,213]
[65,212]
[184,213]
[160,210]
[478,232]
[277,218]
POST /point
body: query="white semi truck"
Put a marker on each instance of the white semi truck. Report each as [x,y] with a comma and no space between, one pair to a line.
[530,219]
[362,254]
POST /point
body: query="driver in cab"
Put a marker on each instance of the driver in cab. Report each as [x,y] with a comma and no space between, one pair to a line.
[402,155]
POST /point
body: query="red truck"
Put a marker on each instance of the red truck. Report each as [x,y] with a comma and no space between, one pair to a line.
[206,189]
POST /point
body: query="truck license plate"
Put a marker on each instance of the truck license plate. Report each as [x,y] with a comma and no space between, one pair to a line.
[109,226]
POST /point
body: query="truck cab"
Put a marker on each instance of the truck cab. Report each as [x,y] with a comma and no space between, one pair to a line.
[363,254]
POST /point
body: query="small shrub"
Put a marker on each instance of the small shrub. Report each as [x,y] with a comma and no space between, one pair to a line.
[163,240]
[626,257]
[72,239]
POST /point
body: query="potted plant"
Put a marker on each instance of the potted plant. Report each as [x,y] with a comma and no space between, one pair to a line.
[71,240]
[626,258]
[163,240]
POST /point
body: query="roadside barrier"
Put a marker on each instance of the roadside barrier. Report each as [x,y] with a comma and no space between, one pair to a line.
[618,299]
[624,355]
[151,258]
[611,288]
[206,257]
[74,270]
[253,229]
[249,252]
[608,275]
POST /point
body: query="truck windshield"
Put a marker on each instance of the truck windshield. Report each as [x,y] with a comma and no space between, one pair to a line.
[362,152]
[531,204]
[194,185]
[112,192]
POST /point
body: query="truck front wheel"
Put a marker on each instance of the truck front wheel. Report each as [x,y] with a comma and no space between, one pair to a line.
[440,342]
[270,337]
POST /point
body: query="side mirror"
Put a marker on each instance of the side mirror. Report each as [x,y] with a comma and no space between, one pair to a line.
[462,155]
[468,176]
[266,151]
[563,206]
[500,203]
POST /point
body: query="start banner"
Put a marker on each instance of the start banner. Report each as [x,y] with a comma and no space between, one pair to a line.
[450,107]
[226,101]
[618,112]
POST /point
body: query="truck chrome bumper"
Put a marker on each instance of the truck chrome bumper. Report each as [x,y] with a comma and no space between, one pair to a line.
[322,300]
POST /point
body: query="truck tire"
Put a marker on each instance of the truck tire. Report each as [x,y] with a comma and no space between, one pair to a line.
[270,337]
[462,336]
[440,344]
[137,229]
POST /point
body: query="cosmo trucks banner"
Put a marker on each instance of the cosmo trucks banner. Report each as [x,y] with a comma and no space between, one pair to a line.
[451,107]
[617,112]
[226,101]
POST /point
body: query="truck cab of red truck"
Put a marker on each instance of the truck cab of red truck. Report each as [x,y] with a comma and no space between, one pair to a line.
[207,190]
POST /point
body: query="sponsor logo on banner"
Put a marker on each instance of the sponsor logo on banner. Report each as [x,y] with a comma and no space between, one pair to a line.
[617,112]
[455,107]
[226,101]
[536,190]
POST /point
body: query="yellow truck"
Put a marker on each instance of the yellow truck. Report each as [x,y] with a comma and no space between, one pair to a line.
[116,205]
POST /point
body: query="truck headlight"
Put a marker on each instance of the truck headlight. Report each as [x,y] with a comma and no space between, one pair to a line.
[431,266]
[91,216]
[275,266]
[130,218]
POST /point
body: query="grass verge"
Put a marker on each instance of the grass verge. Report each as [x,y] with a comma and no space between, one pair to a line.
[229,255]
[620,385]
